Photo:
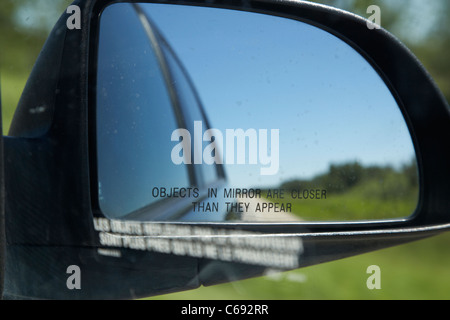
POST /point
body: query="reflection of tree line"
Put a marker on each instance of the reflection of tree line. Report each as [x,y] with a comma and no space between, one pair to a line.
[371,182]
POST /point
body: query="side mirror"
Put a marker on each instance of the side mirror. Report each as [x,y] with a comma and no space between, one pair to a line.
[161,147]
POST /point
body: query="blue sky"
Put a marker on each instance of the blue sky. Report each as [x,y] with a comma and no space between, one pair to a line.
[264,72]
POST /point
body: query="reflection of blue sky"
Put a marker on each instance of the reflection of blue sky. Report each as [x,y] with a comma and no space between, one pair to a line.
[262,72]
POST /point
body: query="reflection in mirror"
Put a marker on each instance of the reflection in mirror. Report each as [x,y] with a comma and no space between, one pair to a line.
[217,115]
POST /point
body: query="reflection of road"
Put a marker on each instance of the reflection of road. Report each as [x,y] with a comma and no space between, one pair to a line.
[252,215]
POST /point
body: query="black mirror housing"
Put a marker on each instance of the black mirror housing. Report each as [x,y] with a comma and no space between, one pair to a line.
[51,219]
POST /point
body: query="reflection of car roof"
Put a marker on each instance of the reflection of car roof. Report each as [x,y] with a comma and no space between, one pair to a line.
[158,40]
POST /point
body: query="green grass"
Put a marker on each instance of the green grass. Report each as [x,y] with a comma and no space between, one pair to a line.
[351,206]
[12,85]
[419,270]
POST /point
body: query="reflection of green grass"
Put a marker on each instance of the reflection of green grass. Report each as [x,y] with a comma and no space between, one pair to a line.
[357,192]
[414,271]
[351,206]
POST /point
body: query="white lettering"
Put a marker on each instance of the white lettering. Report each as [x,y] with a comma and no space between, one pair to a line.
[183,147]
[374,281]
[74,281]
[74,21]
[374,21]
[235,153]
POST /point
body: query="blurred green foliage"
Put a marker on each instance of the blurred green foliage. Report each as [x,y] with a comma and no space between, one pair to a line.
[24,25]
[372,181]
[356,192]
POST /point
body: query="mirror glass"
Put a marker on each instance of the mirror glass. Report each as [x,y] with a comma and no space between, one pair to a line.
[207,114]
